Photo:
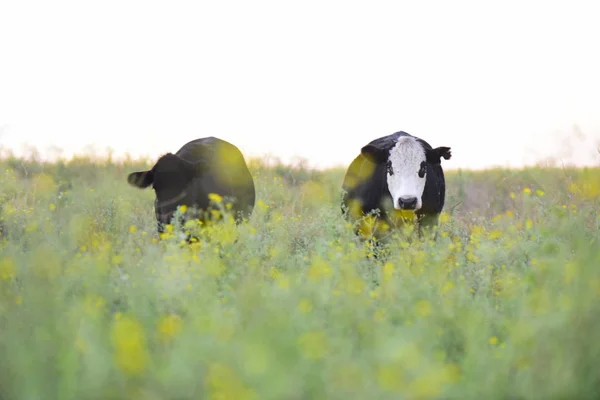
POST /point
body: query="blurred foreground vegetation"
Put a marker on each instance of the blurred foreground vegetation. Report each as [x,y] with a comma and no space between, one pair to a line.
[288,306]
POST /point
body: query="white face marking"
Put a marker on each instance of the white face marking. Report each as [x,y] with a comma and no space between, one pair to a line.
[403,179]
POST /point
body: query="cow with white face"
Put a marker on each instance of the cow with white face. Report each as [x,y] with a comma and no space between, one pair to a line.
[397,174]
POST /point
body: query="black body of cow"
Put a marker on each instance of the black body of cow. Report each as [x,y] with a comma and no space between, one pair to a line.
[365,182]
[199,168]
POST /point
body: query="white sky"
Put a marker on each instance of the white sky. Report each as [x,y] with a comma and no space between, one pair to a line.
[502,83]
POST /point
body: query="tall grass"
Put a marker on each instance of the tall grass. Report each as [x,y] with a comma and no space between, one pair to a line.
[93,305]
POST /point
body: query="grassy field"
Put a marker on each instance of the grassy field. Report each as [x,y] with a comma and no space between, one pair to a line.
[504,305]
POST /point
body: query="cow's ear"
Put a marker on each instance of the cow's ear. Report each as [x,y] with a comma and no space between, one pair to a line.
[141,179]
[374,153]
[434,155]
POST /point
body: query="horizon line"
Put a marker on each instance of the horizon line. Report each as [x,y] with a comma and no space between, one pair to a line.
[110,155]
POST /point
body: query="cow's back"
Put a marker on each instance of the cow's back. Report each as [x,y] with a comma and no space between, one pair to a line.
[221,169]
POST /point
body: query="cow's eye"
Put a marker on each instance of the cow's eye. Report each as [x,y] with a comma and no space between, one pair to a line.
[389,168]
[423,169]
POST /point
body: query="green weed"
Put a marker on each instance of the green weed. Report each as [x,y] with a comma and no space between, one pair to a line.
[94,305]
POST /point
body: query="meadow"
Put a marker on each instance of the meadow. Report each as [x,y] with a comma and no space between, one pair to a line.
[292,305]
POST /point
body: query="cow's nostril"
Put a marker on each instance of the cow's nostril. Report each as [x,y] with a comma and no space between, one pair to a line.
[407,203]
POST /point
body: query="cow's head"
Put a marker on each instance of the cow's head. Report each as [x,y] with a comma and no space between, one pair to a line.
[406,163]
[170,178]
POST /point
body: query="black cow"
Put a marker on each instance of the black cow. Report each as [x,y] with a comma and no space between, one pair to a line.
[199,168]
[396,174]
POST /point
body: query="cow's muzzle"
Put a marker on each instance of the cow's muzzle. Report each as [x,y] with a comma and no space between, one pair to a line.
[407,203]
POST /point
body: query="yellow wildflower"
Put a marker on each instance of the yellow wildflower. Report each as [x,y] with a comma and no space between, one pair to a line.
[7,268]
[430,384]
[129,345]
[313,345]
[448,285]
[423,308]
[214,197]
[586,189]
[493,340]
[215,267]
[355,285]
[444,217]
[427,386]
[93,304]
[476,230]
[223,383]
[132,229]
[305,306]
[319,269]
[283,282]
[379,315]
[52,207]
[527,190]
[388,271]
[43,183]
[495,234]
[274,273]
[169,326]
[389,377]
[368,226]
[472,257]
[261,205]
[528,224]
